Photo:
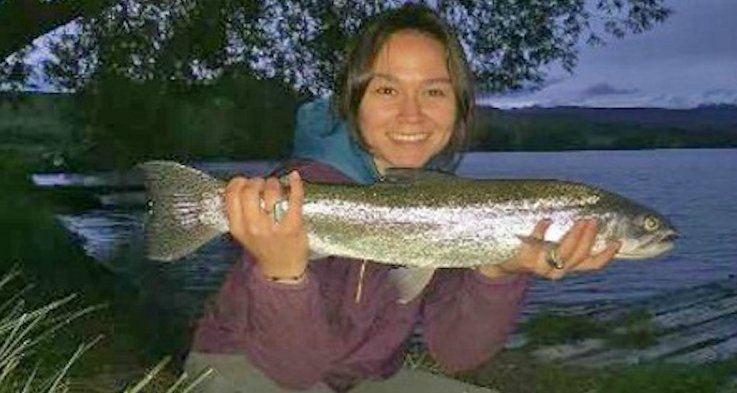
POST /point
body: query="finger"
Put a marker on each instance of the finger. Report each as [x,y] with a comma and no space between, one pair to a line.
[251,203]
[534,248]
[570,239]
[582,249]
[293,217]
[233,207]
[538,233]
[272,194]
[598,261]
[541,228]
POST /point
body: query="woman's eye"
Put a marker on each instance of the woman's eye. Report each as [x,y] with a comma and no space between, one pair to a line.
[385,90]
[436,93]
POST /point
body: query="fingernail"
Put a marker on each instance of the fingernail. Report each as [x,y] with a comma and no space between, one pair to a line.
[294,175]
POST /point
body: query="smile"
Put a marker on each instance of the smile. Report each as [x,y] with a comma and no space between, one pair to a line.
[408,137]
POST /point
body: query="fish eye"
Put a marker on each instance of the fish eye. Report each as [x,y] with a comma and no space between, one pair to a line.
[651,223]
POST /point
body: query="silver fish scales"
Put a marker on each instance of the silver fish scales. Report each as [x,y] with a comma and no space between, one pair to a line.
[413,218]
[423,219]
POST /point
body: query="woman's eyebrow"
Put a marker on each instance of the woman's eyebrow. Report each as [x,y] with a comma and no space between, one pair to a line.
[438,80]
[392,78]
[388,77]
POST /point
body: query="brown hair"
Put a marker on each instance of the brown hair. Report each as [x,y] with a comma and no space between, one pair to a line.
[355,75]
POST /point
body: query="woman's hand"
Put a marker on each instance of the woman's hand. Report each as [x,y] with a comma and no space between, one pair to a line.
[574,250]
[279,246]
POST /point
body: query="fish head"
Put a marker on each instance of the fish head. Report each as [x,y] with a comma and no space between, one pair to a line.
[643,233]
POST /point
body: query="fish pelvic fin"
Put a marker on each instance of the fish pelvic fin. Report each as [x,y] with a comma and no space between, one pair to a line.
[185,209]
[534,241]
[410,282]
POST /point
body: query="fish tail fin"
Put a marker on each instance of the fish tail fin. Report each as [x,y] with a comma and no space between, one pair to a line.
[185,209]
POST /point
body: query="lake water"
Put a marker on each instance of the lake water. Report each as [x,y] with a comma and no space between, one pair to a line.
[696,189]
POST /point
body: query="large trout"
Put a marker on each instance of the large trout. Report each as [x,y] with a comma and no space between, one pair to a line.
[418,219]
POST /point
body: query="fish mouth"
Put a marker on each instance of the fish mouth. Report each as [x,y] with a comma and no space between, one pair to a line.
[655,246]
[648,252]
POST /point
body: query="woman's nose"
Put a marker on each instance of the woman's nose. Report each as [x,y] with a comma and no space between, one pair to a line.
[410,109]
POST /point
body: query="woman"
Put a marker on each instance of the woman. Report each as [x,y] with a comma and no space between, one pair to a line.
[404,99]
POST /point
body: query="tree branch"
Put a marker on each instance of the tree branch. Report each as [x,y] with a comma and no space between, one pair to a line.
[22,21]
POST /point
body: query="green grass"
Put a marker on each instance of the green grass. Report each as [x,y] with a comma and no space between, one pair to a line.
[547,328]
[633,330]
[32,359]
[24,359]
[672,378]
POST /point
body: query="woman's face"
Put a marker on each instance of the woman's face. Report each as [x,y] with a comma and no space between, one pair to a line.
[408,111]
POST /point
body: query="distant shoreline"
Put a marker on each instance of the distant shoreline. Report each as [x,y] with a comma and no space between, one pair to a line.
[44,128]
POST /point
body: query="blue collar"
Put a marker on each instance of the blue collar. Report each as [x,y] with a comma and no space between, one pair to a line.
[321,136]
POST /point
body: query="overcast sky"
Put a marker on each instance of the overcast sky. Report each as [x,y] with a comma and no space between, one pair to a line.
[689,60]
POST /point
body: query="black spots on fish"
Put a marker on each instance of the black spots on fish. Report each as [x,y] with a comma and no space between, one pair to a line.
[413,188]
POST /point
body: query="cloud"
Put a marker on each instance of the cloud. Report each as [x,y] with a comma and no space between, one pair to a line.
[720,96]
[526,90]
[605,89]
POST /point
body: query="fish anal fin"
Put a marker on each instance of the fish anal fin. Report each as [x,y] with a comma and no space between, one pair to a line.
[410,282]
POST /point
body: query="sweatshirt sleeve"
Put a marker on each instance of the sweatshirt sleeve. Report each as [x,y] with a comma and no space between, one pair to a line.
[281,327]
[468,317]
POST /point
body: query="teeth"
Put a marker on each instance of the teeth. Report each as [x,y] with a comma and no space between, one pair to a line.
[414,137]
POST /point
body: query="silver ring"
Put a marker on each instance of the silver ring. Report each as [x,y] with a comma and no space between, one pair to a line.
[554,260]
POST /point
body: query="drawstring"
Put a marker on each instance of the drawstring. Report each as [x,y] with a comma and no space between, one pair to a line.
[359,288]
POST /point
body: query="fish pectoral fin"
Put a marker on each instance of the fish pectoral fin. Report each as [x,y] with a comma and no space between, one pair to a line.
[531,240]
[410,282]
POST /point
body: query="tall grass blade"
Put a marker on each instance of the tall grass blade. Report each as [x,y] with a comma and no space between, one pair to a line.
[57,381]
[149,376]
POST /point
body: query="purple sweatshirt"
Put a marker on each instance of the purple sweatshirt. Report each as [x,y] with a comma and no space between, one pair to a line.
[314,331]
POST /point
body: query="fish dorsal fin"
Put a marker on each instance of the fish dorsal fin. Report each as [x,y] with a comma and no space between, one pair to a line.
[410,176]
[410,282]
